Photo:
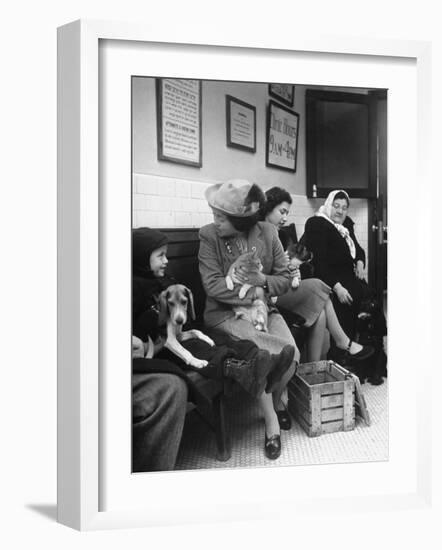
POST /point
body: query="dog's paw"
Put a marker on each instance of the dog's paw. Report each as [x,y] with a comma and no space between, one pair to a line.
[198,363]
[295,282]
[209,340]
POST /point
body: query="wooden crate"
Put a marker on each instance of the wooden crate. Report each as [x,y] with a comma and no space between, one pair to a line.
[322,398]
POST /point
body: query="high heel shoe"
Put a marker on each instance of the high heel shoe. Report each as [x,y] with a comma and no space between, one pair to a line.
[343,355]
[272,446]
[285,422]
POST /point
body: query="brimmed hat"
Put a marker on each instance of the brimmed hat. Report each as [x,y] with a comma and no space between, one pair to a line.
[230,197]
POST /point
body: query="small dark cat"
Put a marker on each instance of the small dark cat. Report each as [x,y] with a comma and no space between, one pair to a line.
[252,264]
[298,254]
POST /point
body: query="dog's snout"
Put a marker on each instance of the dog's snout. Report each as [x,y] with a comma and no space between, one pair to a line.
[179,320]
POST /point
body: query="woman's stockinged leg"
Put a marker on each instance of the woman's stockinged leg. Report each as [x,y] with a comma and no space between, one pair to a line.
[315,339]
[280,396]
[336,331]
[270,417]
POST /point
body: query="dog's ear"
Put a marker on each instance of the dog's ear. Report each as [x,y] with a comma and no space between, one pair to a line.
[163,312]
[190,305]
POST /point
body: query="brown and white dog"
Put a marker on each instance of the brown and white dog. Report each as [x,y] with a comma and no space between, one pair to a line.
[174,305]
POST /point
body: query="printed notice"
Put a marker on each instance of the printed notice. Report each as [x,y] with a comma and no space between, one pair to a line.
[242,125]
[181,121]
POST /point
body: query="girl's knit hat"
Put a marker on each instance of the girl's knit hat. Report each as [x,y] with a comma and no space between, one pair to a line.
[144,241]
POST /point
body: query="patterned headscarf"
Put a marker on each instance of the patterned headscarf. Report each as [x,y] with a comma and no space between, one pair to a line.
[325,212]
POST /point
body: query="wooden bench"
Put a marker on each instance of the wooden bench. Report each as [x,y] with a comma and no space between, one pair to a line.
[183,266]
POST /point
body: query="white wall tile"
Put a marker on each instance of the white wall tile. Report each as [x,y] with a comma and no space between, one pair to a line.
[146,219]
[198,189]
[153,203]
[138,202]
[183,188]
[188,205]
[183,219]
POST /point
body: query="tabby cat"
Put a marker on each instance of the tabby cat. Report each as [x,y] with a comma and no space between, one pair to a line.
[257,312]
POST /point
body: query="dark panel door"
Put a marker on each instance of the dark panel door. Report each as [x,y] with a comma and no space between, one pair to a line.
[341,143]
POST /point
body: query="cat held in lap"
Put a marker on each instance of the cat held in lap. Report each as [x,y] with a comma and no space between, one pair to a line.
[257,312]
[251,263]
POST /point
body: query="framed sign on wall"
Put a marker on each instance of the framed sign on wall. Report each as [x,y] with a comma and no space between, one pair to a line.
[240,124]
[285,93]
[281,137]
[179,121]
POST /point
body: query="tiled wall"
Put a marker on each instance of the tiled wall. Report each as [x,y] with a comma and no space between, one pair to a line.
[162,202]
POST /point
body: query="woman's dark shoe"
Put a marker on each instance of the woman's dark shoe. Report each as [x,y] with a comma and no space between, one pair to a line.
[344,355]
[280,365]
[375,380]
[285,422]
[272,447]
[364,353]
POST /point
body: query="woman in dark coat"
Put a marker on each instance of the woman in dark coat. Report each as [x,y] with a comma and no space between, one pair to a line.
[338,258]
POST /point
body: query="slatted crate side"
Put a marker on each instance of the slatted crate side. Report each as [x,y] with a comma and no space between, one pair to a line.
[336,372]
[334,400]
[297,396]
[313,367]
[316,412]
[331,388]
[349,405]
[321,398]
[299,404]
[319,414]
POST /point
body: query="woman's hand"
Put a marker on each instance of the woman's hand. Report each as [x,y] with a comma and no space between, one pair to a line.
[242,276]
[359,269]
[137,347]
[239,275]
[343,294]
[256,279]
[158,345]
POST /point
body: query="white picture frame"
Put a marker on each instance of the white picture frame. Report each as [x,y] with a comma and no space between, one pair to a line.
[81,296]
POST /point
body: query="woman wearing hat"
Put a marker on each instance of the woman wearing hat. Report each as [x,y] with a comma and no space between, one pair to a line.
[236,229]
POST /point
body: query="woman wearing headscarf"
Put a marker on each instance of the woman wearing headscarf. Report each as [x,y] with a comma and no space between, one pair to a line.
[236,229]
[338,258]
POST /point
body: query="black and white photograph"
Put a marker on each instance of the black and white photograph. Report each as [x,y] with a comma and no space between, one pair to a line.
[259,281]
[235,317]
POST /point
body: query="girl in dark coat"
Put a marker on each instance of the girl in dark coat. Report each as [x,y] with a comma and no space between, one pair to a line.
[258,372]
